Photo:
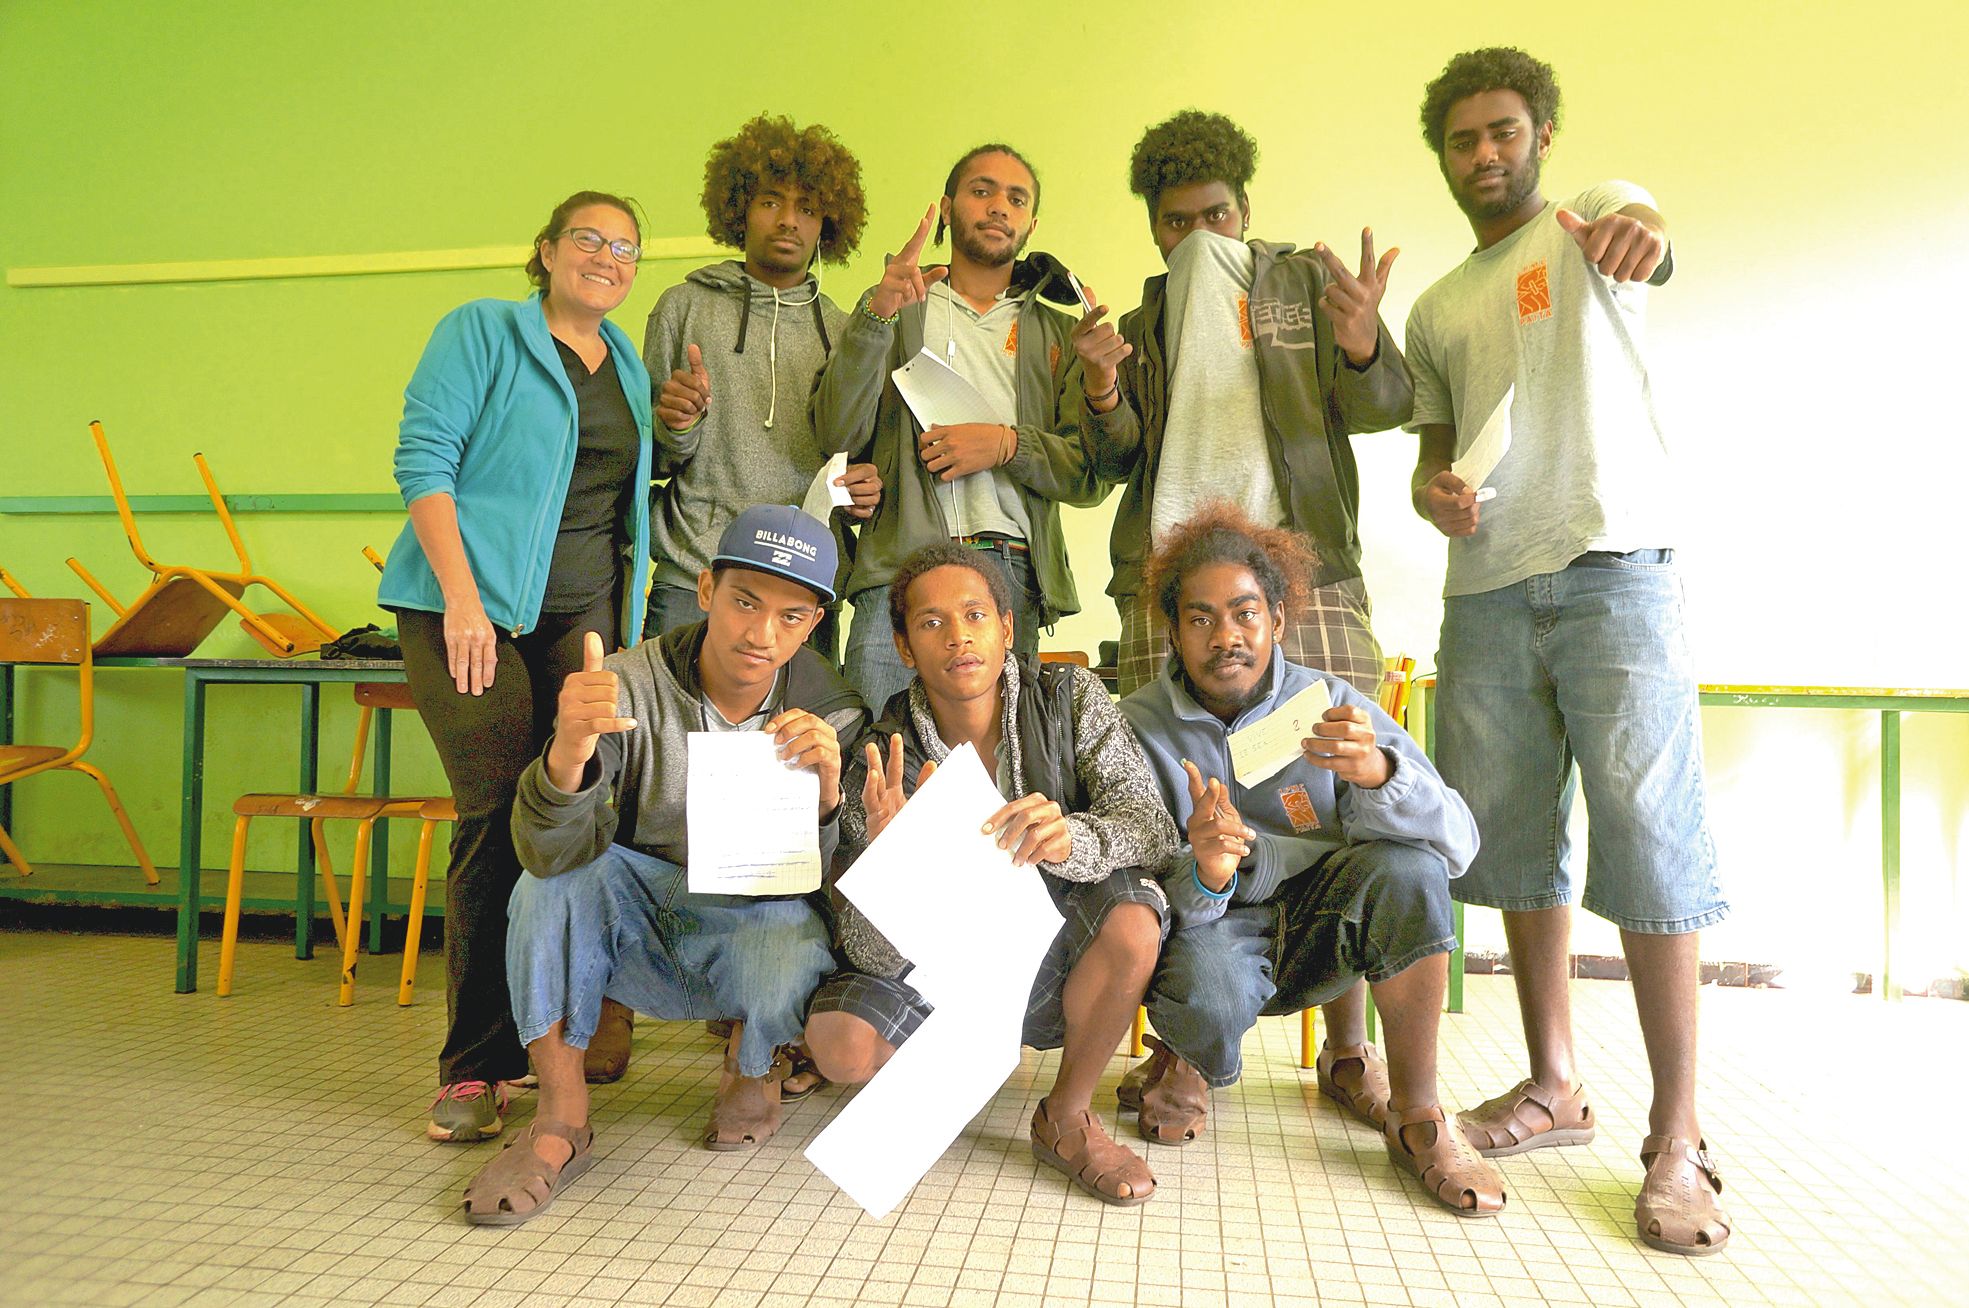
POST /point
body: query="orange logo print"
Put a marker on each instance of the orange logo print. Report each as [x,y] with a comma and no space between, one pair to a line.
[1012,338]
[1244,320]
[1534,294]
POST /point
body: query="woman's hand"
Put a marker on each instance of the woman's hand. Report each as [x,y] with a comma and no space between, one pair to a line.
[471,645]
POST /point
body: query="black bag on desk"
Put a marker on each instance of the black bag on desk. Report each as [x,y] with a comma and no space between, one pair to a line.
[368,641]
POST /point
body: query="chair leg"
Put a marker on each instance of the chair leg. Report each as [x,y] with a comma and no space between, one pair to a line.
[122,819]
[13,853]
[1305,1038]
[235,892]
[352,939]
[1135,1032]
[319,828]
[413,927]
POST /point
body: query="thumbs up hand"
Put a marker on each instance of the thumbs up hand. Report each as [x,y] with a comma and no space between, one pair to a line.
[584,713]
[1620,245]
[686,393]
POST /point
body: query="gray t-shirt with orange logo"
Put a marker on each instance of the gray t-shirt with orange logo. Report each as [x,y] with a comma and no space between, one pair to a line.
[1588,467]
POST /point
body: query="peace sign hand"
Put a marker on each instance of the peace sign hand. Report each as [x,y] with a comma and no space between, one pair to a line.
[1352,301]
[686,393]
[902,281]
[881,789]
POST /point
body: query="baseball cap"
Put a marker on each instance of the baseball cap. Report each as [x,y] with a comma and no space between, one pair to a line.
[781,540]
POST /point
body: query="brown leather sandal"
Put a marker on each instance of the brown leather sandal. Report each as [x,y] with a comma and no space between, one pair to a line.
[746,1112]
[1364,1093]
[519,1185]
[1144,1074]
[607,1056]
[1082,1149]
[798,1063]
[1175,1107]
[1677,1211]
[1459,1178]
[1527,1116]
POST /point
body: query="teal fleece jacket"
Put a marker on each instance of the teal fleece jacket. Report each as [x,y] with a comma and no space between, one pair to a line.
[489,419]
[1413,807]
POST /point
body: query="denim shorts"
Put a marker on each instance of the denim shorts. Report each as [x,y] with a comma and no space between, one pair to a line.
[1569,677]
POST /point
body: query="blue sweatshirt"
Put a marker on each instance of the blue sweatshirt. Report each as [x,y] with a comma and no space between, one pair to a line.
[1302,813]
[489,419]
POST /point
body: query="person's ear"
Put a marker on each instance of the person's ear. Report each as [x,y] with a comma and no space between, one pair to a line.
[1278,622]
[902,648]
[707,581]
[1544,139]
[1005,625]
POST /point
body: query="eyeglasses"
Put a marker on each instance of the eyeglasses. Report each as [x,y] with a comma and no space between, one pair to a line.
[590,241]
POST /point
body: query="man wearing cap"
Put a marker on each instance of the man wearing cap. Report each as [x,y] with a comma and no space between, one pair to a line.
[599,826]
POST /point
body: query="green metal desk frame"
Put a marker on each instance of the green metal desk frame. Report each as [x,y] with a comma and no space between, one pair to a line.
[1890,703]
[200,674]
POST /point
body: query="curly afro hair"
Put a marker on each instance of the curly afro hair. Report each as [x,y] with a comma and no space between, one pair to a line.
[1494,68]
[945,554]
[768,150]
[1192,147]
[1280,559]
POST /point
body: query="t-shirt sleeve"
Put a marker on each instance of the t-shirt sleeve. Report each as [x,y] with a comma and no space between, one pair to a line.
[1608,197]
[1434,405]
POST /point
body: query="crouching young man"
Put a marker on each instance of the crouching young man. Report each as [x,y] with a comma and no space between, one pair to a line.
[599,825]
[1082,808]
[1334,868]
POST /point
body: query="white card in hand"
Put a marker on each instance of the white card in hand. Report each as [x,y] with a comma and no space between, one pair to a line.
[1493,441]
[823,496]
[753,824]
[1261,749]
[938,394]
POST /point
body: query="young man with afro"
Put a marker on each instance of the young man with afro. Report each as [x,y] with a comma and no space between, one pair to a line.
[736,348]
[1562,638]
[1240,379]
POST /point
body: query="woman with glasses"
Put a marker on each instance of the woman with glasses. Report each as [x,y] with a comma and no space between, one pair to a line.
[524,458]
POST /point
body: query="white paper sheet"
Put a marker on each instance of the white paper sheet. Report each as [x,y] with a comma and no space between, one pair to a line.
[823,496]
[1493,441]
[754,823]
[1261,749]
[940,890]
[938,394]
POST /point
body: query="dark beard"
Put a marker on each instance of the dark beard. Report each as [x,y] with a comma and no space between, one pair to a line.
[1225,709]
[1519,187]
[967,244]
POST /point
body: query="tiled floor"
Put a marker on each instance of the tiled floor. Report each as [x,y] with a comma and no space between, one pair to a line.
[267,1149]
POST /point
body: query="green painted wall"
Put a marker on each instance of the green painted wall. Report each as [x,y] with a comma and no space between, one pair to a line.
[1798,152]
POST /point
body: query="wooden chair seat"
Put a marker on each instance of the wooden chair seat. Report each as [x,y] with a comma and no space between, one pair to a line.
[356,807]
[25,756]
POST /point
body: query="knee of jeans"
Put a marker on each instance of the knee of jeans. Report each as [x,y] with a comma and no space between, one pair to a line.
[1406,880]
[780,954]
[1216,987]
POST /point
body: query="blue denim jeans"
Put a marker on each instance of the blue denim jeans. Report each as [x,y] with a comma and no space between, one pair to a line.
[1369,910]
[1570,677]
[871,663]
[626,928]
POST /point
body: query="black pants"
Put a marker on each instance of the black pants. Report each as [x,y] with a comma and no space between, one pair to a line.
[485,742]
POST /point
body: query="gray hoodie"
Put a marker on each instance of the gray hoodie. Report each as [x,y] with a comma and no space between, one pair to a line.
[632,791]
[762,348]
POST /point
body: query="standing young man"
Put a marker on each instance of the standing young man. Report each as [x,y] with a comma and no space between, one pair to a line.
[1082,810]
[604,908]
[1562,636]
[994,486]
[1241,378]
[1334,869]
[737,347]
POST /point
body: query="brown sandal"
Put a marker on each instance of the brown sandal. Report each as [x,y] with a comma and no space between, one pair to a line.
[1677,1211]
[1367,1096]
[1528,1116]
[1097,1164]
[746,1112]
[1175,1106]
[521,1176]
[1459,1178]
[798,1063]
[1144,1074]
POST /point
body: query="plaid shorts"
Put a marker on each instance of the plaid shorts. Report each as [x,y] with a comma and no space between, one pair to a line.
[1331,635]
[894,1008]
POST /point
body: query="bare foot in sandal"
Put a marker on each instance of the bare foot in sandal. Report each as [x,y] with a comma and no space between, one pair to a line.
[1356,1078]
[1677,1211]
[1528,1116]
[1435,1153]
[746,1112]
[1080,1147]
[529,1173]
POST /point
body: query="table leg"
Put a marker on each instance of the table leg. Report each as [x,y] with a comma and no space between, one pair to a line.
[379,852]
[7,738]
[1456,961]
[1890,847]
[304,867]
[190,816]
